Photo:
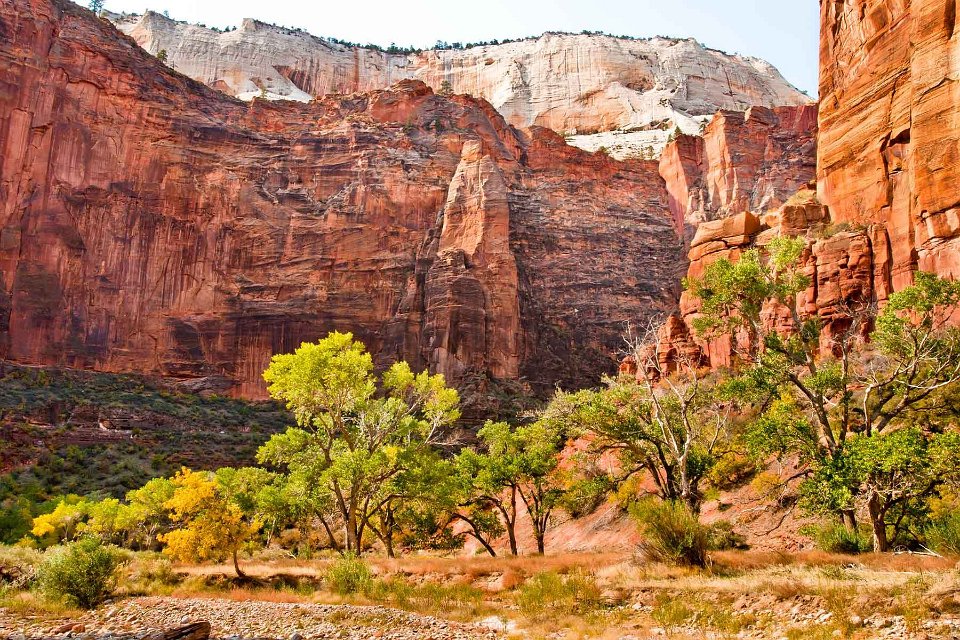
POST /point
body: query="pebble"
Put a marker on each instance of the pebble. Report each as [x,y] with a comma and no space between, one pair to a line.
[245,620]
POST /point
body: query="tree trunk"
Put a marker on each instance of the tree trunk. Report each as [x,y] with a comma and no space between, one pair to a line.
[486,545]
[236,566]
[541,542]
[353,540]
[880,542]
[512,537]
[333,539]
[849,519]
[388,543]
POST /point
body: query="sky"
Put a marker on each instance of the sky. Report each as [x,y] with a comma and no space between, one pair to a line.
[783,32]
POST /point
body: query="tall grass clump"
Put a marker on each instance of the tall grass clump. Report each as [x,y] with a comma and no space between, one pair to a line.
[348,575]
[943,534]
[671,533]
[551,594]
[836,538]
[18,567]
[83,573]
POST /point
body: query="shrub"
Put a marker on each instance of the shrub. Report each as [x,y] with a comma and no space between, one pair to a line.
[586,496]
[836,538]
[722,537]
[349,575]
[670,611]
[549,593]
[149,574]
[18,567]
[943,534]
[671,533]
[83,573]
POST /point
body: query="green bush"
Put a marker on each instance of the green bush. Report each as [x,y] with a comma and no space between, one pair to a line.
[551,594]
[836,538]
[671,533]
[943,534]
[349,575]
[585,496]
[83,573]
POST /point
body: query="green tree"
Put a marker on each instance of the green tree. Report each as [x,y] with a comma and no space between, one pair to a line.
[103,520]
[415,503]
[517,467]
[144,514]
[667,421]
[824,390]
[490,482]
[540,483]
[354,437]
[96,6]
[162,56]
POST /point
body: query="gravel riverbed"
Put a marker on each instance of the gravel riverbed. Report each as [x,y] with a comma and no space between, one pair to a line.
[136,618]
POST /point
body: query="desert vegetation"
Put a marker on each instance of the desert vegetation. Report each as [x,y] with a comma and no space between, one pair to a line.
[373,491]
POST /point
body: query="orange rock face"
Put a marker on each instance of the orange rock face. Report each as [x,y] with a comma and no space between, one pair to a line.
[888,166]
[151,224]
[889,151]
[749,161]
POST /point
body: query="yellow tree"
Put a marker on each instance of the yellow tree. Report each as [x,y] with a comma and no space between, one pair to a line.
[210,526]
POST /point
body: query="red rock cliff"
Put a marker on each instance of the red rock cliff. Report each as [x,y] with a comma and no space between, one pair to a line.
[750,161]
[151,224]
[888,166]
[889,151]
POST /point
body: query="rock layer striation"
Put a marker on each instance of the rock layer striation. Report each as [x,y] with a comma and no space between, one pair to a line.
[889,151]
[574,84]
[150,223]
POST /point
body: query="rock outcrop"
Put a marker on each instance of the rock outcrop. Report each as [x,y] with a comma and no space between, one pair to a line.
[743,161]
[637,91]
[889,152]
[847,267]
[149,223]
[888,165]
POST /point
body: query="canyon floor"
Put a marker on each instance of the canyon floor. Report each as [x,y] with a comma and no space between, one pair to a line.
[570,596]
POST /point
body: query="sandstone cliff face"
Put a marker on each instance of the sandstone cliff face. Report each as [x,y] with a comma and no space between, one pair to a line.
[847,268]
[744,161]
[151,224]
[573,84]
[889,150]
[887,168]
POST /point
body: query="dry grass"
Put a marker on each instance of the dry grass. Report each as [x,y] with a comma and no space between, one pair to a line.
[741,591]
[26,604]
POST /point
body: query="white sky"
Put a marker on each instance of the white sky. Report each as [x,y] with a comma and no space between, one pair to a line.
[784,32]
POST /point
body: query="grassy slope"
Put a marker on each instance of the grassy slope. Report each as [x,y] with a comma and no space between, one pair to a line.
[52,442]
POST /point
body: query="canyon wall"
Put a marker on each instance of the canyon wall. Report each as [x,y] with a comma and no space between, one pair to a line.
[889,151]
[149,223]
[743,161]
[888,165]
[574,84]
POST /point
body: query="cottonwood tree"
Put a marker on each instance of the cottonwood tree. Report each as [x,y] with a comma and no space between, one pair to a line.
[415,505]
[355,434]
[824,395]
[540,484]
[668,421]
[145,515]
[209,525]
[516,468]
